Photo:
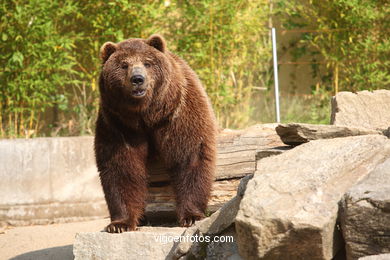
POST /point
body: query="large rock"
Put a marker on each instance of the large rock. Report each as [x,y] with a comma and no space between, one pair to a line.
[147,243]
[362,109]
[290,206]
[227,249]
[295,133]
[365,215]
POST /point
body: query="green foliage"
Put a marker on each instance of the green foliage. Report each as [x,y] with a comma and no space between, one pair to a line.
[352,37]
[51,49]
[228,44]
[311,108]
[50,55]
[37,65]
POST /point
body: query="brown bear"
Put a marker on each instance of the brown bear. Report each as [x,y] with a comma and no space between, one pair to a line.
[152,104]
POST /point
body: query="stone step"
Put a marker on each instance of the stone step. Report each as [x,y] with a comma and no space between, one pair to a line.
[146,243]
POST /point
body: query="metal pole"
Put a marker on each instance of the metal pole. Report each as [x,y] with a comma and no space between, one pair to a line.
[276,80]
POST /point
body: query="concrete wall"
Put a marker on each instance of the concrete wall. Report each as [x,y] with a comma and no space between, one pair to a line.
[45,180]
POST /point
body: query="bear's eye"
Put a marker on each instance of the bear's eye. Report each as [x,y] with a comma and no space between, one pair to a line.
[124,65]
[147,65]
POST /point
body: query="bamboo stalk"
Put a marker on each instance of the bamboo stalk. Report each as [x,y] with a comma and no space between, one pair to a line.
[212,47]
[336,80]
[1,125]
[32,117]
[219,49]
[16,124]
[21,124]
[37,124]
[9,124]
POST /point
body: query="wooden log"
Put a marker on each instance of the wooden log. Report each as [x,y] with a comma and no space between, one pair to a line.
[161,200]
[238,151]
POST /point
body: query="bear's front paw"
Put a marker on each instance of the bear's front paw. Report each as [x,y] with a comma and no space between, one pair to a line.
[119,226]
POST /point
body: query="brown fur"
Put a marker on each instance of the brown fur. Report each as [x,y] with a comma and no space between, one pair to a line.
[174,121]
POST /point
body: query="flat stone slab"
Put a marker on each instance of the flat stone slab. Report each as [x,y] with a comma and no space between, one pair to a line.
[365,215]
[362,109]
[290,207]
[376,257]
[296,133]
[147,243]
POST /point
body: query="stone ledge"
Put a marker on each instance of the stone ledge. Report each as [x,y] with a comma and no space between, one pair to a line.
[141,244]
[297,133]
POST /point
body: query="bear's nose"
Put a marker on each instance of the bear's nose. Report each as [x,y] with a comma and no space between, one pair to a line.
[137,80]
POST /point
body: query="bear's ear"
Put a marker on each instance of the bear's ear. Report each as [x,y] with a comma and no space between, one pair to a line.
[157,41]
[106,50]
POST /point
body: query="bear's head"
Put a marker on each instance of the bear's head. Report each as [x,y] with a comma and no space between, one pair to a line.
[133,71]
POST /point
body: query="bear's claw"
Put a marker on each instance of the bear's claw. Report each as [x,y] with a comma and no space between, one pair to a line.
[189,221]
[119,226]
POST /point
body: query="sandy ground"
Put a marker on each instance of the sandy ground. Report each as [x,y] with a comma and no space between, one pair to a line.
[45,242]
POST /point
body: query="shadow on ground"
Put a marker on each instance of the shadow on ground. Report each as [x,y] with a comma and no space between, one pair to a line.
[53,253]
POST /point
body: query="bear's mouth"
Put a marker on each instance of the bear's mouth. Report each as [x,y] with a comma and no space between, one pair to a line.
[138,93]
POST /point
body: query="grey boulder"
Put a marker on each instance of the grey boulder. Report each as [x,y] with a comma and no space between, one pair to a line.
[365,215]
[290,207]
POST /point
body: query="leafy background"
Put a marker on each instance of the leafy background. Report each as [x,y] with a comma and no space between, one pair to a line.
[50,49]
